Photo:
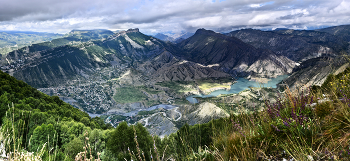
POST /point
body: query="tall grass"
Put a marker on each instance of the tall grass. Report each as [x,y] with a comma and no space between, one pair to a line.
[303,125]
[10,135]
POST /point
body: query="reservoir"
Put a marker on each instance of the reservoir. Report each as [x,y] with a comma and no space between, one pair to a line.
[240,85]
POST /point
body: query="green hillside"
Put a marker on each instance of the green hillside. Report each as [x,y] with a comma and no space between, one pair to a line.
[31,118]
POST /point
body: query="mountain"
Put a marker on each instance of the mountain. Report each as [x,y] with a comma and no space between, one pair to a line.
[231,55]
[74,37]
[51,64]
[342,31]
[56,62]
[163,37]
[294,44]
[166,67]
[90,34]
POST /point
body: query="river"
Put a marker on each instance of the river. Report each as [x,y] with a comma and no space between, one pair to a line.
[240,85]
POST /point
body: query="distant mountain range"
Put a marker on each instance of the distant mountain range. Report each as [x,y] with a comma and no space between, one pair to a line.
[175,38]
[12,40]
[241,53]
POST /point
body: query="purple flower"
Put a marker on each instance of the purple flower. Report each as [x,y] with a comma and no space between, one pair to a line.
[275,128]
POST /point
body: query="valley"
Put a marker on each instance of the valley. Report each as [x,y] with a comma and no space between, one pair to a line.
[129,76]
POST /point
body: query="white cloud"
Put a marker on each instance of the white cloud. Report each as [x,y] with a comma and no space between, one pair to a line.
[153,16]
[255,5]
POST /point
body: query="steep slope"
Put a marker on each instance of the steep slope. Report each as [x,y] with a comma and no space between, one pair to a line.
[342,31]
[57,65]
[166,67]
[73,37]
[121,51]
[229,54]
[295,45]
[315,71]
[25,97]
[336,43]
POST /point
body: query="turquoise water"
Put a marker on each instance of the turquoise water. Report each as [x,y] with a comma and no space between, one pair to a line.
[240,85]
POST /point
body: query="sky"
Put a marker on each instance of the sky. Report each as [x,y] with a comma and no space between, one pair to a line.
[170,16]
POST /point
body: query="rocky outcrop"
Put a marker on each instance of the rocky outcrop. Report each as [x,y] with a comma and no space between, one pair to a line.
[132,77]
[314,71]
[204,113]
[159,124]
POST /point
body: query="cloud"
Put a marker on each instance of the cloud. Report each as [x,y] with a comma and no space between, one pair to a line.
[153,16]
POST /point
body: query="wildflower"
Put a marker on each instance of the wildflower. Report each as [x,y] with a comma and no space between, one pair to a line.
[286,123]
[275,128]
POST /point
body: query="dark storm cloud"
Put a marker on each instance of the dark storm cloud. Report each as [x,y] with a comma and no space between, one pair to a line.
[153,16]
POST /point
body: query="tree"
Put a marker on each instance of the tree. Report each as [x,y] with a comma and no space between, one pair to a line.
[74,147]
[4,105]
[123,139]
[43,135]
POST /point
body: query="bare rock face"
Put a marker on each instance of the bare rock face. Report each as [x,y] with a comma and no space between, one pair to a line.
[159,124]
[272,66]
[132,77]
[314,71]
[204,113]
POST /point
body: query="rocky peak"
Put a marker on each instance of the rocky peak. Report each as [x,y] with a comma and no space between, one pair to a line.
[129,31]
[204,31]
[123,33]
[217,35]
[133,30]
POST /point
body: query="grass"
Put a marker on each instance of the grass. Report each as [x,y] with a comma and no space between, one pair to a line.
[149,90]
[209,83]
[10,136]
[178,86]
[205,86]
[129,95]
[300,125]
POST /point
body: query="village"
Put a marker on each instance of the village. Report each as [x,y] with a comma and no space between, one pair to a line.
[91,96]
